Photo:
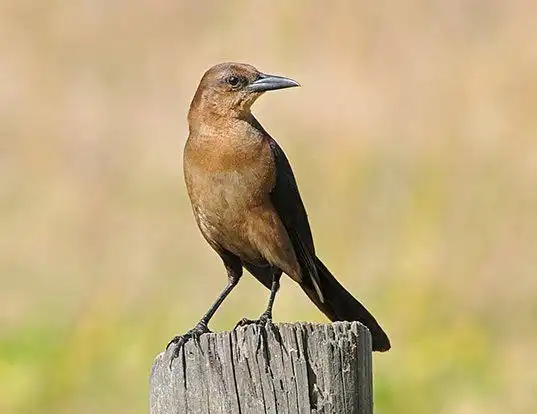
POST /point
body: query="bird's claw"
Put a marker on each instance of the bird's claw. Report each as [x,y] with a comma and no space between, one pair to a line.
[264,319]
[181,340]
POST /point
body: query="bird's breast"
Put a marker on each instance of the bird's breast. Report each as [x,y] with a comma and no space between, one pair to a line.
[228,192]
[228,177]
[224,184]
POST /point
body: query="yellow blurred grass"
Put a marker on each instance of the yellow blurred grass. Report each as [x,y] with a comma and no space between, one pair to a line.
[413,140]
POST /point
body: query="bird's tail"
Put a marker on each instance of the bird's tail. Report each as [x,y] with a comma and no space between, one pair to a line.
[340,305]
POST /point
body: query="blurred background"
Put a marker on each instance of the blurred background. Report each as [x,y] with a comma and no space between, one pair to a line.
[413,139]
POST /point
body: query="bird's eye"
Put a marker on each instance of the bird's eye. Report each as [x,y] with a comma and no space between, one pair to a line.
[233,81]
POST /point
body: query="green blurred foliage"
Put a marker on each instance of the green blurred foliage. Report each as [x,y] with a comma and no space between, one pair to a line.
[414,142]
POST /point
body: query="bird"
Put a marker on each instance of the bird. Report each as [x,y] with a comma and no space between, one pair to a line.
[246,201]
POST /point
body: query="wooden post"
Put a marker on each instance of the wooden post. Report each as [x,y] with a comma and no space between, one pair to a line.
[284,368]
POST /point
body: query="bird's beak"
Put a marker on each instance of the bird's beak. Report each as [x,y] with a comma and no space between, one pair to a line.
[270,83]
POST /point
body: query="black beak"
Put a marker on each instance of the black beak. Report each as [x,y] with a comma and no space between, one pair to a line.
[270,83]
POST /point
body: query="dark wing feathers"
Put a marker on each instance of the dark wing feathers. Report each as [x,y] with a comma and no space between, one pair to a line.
[287,202]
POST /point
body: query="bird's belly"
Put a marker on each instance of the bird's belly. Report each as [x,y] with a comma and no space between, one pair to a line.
[222,233]
[222,211]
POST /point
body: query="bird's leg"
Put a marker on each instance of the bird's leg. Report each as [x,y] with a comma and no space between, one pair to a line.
[234,270]
[266,317]
[201,326]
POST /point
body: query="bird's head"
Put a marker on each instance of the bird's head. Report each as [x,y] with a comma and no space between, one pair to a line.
[230,89]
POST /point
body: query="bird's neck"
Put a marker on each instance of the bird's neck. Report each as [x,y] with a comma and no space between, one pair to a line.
[234,126]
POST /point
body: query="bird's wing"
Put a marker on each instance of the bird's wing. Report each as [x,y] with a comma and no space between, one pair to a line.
[286,200]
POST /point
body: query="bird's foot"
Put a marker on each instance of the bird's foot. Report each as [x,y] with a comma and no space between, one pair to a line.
[264,319]
[180,340]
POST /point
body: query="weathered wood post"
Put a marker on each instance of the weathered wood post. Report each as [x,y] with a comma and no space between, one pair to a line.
[284,368]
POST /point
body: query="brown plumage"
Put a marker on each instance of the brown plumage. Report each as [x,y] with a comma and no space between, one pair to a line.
[246,201]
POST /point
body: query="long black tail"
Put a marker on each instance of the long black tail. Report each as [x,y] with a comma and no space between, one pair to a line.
[340,305]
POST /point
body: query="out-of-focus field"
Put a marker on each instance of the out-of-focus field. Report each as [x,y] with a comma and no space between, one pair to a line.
[414,140]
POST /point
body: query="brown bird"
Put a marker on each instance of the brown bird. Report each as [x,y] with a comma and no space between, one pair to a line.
[246,201]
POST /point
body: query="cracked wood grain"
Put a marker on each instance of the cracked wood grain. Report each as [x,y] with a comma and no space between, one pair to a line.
[283,368]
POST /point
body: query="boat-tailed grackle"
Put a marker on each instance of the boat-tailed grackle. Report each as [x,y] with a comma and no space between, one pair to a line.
[246,201]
